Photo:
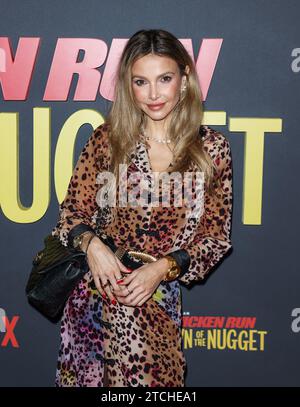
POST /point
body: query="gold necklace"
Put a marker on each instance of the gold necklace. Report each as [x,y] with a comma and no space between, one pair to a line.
[165,141]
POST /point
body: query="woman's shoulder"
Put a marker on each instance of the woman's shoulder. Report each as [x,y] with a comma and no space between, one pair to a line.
[213,139]
[100,137]
[99,142]
[210,134]
[217,146]
[101,132]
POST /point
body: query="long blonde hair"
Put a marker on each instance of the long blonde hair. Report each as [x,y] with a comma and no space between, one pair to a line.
[125,118]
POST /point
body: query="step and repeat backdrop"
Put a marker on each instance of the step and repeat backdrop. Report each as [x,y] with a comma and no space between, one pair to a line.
[240,327]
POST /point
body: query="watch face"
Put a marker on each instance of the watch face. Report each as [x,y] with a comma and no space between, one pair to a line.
[174,273]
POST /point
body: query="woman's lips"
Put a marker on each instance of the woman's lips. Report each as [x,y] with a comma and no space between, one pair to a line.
[156,107]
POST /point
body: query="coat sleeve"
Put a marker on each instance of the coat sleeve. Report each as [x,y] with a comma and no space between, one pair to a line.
[212,238]
[79,205]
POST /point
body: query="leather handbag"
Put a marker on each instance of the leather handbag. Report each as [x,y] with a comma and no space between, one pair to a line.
[57,269]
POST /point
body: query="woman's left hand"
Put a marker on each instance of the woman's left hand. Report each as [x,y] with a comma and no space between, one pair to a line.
[140,284]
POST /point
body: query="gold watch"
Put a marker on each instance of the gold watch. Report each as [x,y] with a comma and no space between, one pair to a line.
[173,270]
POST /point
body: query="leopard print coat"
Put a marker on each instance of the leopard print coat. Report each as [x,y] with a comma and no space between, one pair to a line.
[106,345]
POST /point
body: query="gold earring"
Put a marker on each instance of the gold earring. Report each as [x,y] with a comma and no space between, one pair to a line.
[183,89]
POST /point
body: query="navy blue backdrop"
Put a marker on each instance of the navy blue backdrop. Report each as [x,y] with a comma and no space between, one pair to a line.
[256,77]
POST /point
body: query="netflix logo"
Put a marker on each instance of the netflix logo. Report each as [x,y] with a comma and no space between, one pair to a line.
[7,329]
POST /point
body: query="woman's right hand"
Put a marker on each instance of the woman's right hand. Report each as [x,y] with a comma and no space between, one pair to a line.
[105,267]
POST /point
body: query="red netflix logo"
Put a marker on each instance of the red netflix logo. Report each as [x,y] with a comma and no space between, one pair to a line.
[8,327]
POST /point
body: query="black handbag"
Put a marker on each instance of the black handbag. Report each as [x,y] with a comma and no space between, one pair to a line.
[57,269]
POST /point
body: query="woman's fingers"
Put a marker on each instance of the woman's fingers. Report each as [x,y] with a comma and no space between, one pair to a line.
[98,284]
[121,292]
[107,271]
[116,277]
[135,301]
[143,300]
[102,285]
[122,267]
[110,294]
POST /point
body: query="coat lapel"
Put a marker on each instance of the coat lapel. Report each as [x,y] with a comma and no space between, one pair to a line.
[140,158]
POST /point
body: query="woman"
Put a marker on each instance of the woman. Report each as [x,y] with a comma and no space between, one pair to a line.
[130,334]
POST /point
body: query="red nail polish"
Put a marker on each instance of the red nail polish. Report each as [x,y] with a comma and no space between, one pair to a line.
[114,301]
[120,281]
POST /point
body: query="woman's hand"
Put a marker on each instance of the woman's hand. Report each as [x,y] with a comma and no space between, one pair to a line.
[141,283]
[105,268]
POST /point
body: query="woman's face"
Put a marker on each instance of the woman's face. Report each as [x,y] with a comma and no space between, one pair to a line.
[156,80]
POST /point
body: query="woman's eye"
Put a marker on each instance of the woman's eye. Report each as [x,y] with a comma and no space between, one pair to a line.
[167,76]
[137,82]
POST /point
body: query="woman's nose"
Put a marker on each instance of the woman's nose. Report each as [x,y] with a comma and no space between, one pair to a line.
[153,92]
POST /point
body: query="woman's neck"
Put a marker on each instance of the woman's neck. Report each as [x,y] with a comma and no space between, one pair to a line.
[156,129]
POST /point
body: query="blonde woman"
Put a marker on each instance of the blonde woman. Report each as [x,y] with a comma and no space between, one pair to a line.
[122,327]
